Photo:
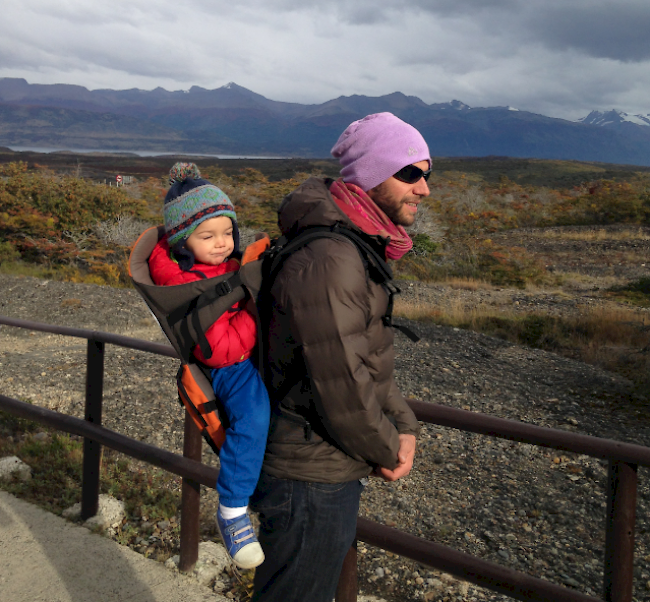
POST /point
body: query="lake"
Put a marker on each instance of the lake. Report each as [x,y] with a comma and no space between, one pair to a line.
[139,153]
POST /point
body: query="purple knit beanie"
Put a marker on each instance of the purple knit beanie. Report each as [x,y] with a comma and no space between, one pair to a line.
[376,147]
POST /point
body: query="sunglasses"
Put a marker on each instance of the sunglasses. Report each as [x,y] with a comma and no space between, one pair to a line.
[412,174]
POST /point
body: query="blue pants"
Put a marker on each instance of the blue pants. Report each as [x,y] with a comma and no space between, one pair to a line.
[242,392]
[306,530]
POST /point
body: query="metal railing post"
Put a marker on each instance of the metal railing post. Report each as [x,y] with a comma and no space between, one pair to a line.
[619,541]
[346,590]
[93,413]
[190,500]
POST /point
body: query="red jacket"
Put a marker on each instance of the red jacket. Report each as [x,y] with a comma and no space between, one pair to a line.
[233,336]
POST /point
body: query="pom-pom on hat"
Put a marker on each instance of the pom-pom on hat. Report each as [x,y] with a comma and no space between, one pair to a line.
[182,171]
[376,147]
[190,201]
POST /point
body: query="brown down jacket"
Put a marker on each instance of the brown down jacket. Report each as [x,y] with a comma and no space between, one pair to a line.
[330,355]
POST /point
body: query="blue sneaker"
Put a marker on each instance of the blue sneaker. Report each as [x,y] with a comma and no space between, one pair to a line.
[240,541]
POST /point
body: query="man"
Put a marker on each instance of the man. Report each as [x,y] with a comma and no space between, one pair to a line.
[339,413]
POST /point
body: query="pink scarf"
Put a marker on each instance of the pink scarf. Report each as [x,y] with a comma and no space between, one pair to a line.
[366,215]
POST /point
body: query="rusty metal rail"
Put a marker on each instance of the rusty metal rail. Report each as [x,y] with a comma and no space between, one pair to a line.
[174,463]
[621,504]
[192,475]
[523,432]
[621,494]
[95,335]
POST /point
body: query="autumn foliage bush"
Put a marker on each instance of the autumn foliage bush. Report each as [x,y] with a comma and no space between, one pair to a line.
[60,226]
[48,219]
[75,229]
[470,211]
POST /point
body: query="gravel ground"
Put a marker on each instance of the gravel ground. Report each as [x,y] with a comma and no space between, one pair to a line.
[616,252]
[531,509]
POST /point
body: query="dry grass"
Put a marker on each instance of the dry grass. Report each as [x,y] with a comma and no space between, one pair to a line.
[622,327]
[612,258]
[613,338]
[555,291]
[633,257]
[592,326]
[579,280]
[73,303]
[451,310]
[467,284]
[600,234]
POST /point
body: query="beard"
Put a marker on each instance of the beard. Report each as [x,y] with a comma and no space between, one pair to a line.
[393,207]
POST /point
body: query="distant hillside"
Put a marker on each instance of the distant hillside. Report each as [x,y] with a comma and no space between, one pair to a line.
[234,120]
[59,128]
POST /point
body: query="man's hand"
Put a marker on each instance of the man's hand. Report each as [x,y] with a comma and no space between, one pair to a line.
[404,459]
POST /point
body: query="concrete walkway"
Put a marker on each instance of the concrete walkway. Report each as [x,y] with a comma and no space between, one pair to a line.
[44,558]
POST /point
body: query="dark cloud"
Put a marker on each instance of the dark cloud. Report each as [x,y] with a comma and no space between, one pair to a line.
[617,31]
[549,56]
[598,28]
[465,7]
[371,12]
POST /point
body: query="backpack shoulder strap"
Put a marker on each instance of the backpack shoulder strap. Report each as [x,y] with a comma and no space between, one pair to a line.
[193,319]
[381,273]
[378,270]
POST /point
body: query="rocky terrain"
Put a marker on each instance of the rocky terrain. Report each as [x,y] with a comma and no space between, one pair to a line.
[528,508]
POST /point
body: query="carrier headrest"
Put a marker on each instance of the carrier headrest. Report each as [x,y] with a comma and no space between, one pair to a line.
[140,253]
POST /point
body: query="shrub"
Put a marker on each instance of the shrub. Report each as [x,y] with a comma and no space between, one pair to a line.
[424,246]
[538,330]
[508,266]
[637,292]
[122,231]
[58,221]
[8,252]
[472,258]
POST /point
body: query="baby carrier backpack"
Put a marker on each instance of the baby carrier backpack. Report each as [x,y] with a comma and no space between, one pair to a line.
[186,311]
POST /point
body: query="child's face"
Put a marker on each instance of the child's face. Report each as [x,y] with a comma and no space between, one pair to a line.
[212,242]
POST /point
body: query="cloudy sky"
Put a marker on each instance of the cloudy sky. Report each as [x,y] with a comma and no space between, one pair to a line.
[561,58]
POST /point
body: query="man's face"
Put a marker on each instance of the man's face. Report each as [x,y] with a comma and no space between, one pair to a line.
[399,200]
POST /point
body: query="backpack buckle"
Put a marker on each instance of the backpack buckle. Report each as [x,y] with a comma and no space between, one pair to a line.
[223,288]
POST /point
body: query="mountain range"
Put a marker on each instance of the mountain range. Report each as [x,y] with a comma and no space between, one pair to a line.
[233,120]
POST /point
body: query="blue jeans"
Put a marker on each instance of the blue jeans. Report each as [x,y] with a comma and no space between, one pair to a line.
[306,530]
[242,392]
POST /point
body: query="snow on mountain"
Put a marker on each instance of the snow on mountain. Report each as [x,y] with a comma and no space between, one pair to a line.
[458,105]
[455,105]
[638,119]
[614,117]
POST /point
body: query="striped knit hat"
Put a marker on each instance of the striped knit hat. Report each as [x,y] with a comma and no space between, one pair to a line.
[190,201]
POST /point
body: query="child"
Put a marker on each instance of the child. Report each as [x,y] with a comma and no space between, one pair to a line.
[202,241]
